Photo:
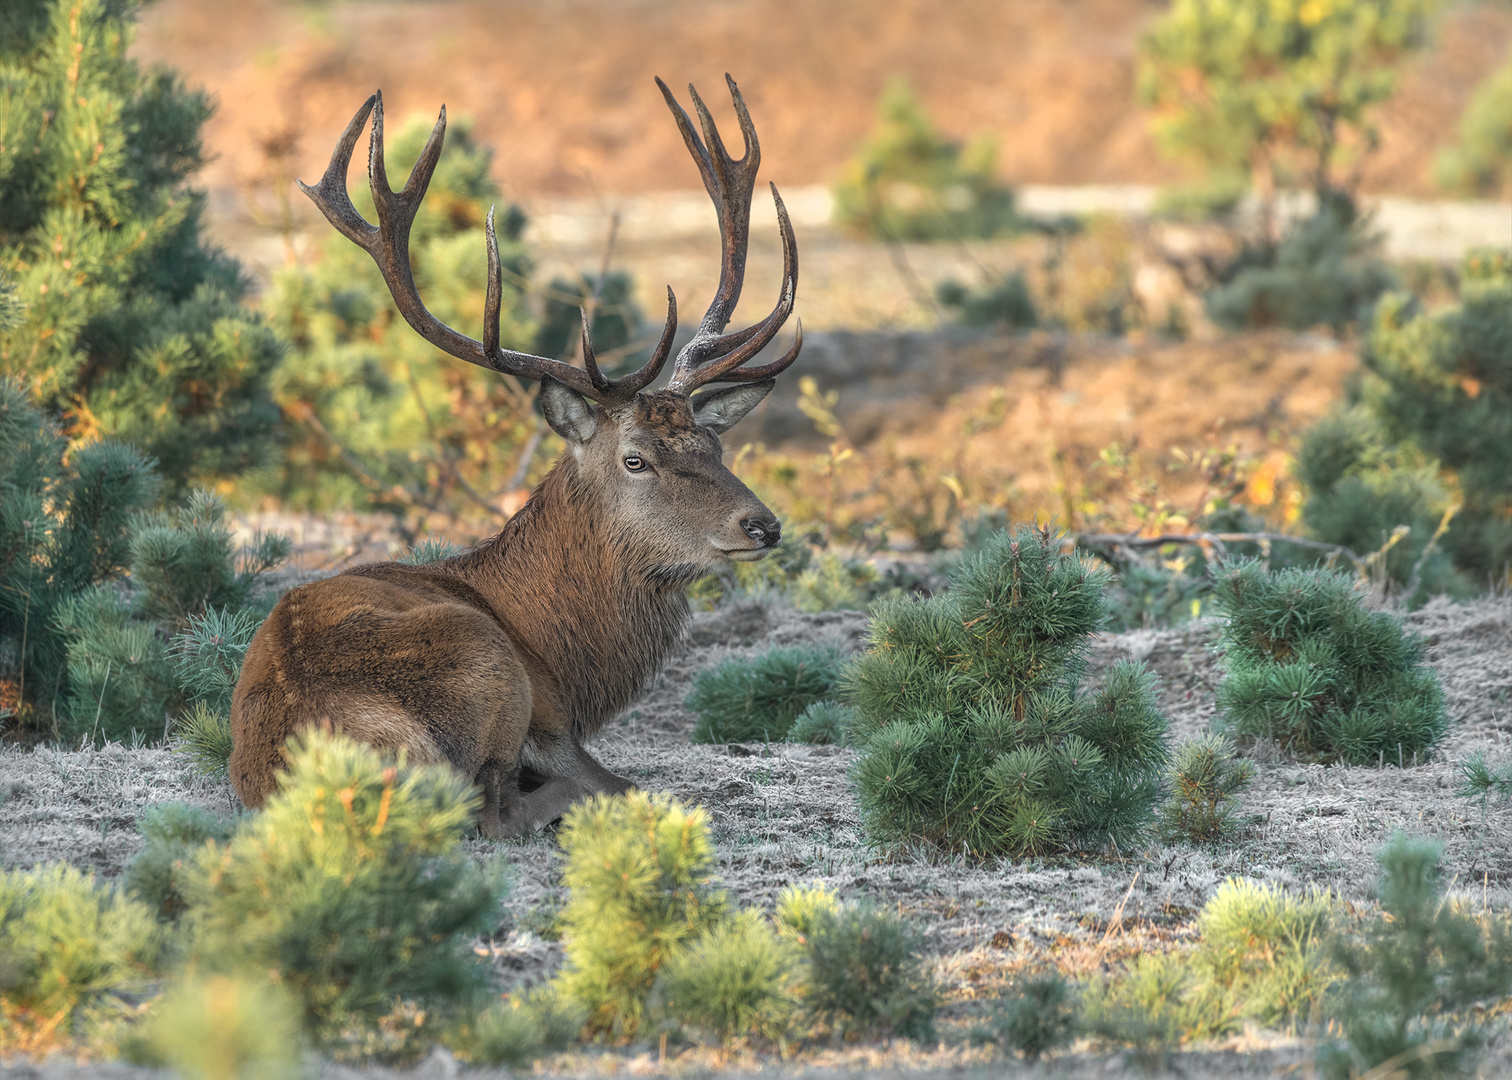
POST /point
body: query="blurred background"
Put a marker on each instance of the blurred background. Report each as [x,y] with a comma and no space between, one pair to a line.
[1143,268]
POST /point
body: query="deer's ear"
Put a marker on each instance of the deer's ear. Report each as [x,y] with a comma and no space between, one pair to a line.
[720,410]
[570,414]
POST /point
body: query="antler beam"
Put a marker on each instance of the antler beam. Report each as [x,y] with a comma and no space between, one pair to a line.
[711,356]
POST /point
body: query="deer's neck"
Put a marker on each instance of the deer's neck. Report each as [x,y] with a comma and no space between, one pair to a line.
[594,619]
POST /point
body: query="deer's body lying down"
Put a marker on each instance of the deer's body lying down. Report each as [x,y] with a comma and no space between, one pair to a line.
[502,661]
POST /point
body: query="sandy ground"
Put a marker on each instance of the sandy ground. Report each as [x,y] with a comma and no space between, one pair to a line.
[784,813]
[563,88]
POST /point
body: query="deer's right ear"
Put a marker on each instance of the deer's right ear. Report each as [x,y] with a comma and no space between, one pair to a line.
[570,414]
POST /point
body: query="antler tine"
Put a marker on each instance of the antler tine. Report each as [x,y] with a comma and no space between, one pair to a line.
[708,359]
[330,193]
[388,244]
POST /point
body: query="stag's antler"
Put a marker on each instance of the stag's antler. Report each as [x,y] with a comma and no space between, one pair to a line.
[709,357]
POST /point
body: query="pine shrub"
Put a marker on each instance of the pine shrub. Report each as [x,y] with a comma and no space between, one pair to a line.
[1440,384]
[800,906]
[1206,777]
[1039,1017]
[1480,163]
[1269,949]
[823,723]
[866,976]
[1005,304]
[517,1030]
[1416,974]
[1307,665]
[757,700]
[1325,271]
[173,833]
[910,182]
[64,526]
[133,325]
[221,1027]
[1360,487]
[207,659]
[353,886]
[972,732]
[183,562]
[737,980]
[1148,596]
[71,948]
[639,869]
[1262,957]
[1479,779]
[122,681]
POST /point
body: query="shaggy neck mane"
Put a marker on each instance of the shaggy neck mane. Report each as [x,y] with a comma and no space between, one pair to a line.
[579,598]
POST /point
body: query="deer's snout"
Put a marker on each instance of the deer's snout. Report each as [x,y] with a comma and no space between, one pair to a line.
[765,531]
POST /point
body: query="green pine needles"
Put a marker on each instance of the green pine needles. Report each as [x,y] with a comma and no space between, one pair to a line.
[1307,665]
[640,870]
[757,700]
[972,729]
[131,322]
[352,884]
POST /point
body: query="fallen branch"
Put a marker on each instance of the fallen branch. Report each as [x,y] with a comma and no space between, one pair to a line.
[1217,541]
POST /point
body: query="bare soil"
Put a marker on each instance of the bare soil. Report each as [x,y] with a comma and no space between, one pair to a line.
[563,87]
[785,813]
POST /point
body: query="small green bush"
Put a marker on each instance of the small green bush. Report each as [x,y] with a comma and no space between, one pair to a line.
[187,578]
[617,318]
[352,885]
[64,527]
[1416,973]
[1440,384]
[1206,775]
[1481,162]
[799,906]
[207,659]
[972,732]
[1325,271]
[70,948]
[223,1028]
[1262,957]
[1005,304]
[909,182]
[1360,486]
[866,977]
[822,723]
[1306,664]
[736,980]
[1146,596]
[174,834]
[639,870]
[1269,949]
[1479,779]
[518,1030]
[757,700]
[1039,1017]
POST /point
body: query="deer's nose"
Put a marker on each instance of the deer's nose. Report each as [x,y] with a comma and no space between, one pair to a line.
[765,531]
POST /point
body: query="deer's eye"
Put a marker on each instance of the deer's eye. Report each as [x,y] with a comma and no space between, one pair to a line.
[635,463]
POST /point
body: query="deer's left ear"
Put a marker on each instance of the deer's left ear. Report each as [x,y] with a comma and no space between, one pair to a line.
[720,410]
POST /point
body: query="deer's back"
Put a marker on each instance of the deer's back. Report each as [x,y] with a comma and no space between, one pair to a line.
[393,655]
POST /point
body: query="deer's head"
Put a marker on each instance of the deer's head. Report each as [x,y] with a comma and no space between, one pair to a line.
[651,461]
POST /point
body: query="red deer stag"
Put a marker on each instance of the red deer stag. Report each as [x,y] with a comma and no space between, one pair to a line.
[503,660]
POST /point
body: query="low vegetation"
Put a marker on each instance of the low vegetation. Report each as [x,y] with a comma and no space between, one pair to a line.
[758,700]
[1308,665]
[974,733]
